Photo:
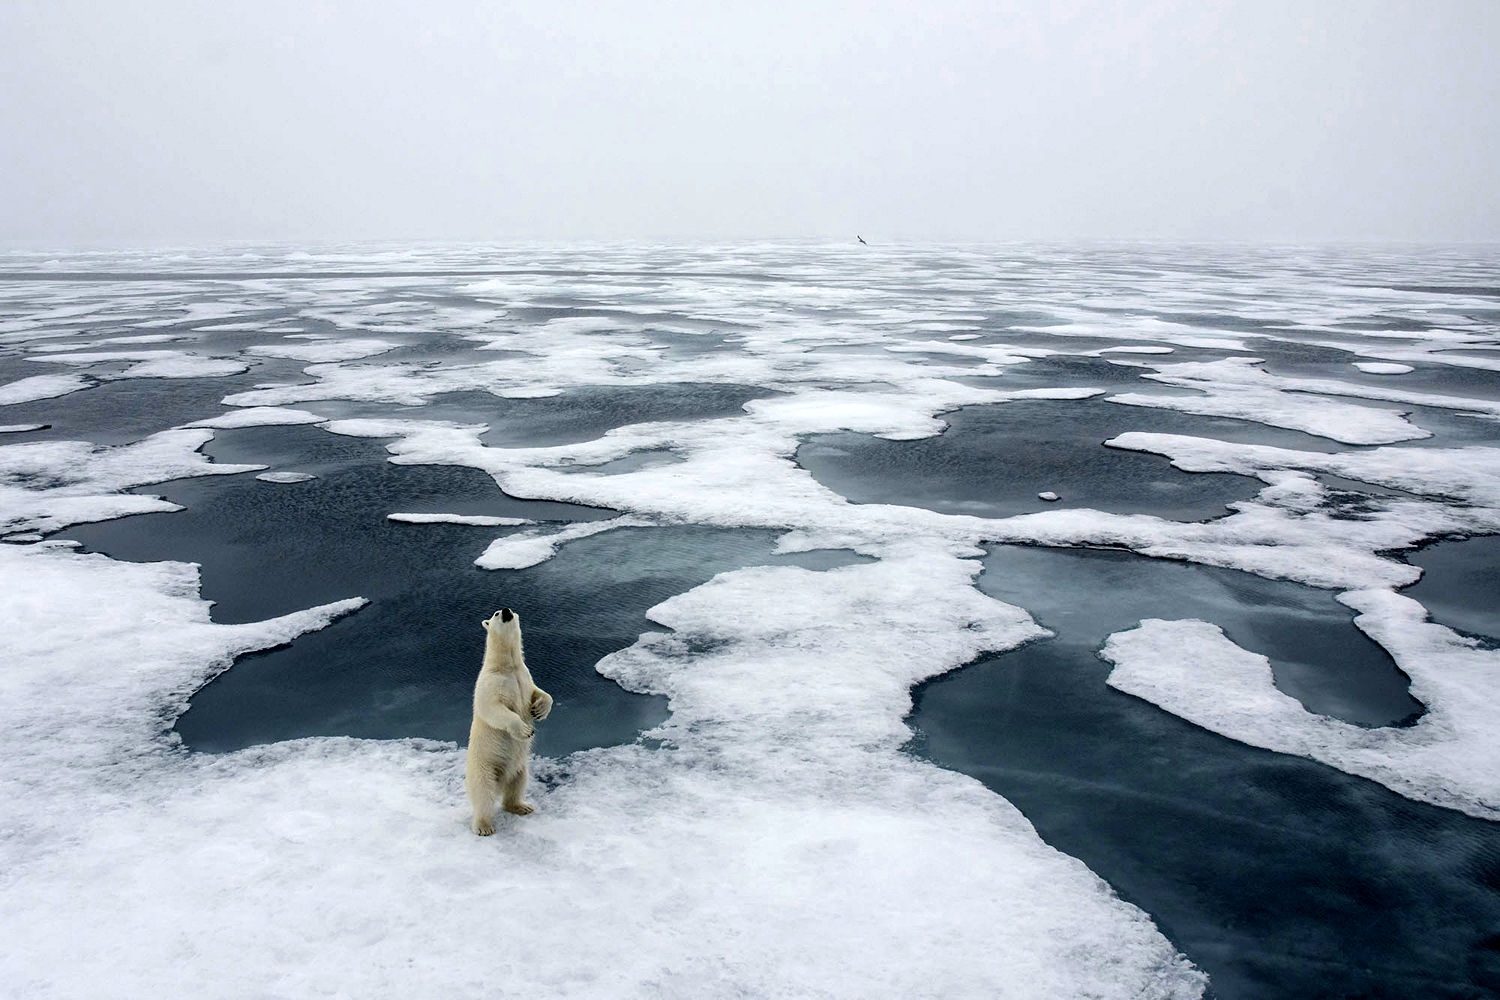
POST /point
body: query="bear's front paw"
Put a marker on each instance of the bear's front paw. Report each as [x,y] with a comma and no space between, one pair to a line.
[540,709]
[482,826]
[524,731]
[521,808]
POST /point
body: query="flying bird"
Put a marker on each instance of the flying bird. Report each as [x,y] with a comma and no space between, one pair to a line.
[860,238]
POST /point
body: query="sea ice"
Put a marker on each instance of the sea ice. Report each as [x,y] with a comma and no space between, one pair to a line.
[41,387]
[1450,757]
[483,520]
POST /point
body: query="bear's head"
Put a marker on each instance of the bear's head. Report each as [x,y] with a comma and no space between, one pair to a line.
[503,622]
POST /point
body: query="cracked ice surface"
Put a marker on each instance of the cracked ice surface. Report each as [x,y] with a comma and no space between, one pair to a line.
[775,841]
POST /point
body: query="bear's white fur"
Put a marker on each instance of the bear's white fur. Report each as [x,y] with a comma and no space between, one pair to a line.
[505,703]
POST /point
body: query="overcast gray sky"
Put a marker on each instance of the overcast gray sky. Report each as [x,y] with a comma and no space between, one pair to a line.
[145,122]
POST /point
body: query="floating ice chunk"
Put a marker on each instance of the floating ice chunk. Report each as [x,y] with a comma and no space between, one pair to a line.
[528,548]
[285,477]
[1450,757]
[965,336]
[1471,474]
[46,485]
[41,387]
[1383,367]
[484,520]
[1134,349]
[1048,495]
[325,350]
[21,428]
[22,537]
[1324,417]
[153,364]
[258,416]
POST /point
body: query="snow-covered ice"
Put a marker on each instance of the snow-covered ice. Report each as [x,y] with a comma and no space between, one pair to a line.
[771,837]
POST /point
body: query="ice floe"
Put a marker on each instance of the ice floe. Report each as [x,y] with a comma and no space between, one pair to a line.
[152,364]
[482,520]
[325,350]
[41,387]
[1450,757]
[46,485]
[259,416]
[286,477]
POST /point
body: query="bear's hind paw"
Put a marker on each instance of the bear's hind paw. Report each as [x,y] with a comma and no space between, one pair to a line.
[521,808]
[482,827]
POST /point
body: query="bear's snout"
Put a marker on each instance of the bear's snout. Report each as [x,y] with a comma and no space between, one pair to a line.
[506,614]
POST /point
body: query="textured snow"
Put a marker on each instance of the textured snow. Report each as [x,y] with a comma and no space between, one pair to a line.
[483,520]
[1450,757]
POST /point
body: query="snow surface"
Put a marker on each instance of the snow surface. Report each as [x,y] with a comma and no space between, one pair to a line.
[770,838]
[152,364]
[1450,757]
[259,416]
[483,520]
[47,485]
[1233,387]
[41,387]
[325,350]
[758,853]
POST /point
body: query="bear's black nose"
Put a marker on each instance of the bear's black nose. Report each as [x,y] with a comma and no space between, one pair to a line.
[506,614]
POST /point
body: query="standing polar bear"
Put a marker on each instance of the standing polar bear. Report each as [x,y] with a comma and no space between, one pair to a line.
[505,702]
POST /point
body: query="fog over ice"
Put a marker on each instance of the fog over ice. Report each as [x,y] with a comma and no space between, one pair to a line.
[162,122]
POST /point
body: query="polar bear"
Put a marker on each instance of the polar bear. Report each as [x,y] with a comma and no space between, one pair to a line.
[505,703]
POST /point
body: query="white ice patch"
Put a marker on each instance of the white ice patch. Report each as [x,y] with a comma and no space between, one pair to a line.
[1383,368]
[47,485]
[286,477]
[483,520]
[41,387]
[1235,388]
[1469,475]
[151,364]
[1450,757]
[325,350]
[20,428]
[528,548]
[337,865]
[259,416]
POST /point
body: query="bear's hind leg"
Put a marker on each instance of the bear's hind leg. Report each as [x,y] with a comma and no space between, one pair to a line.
[514,791]
[482,793]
